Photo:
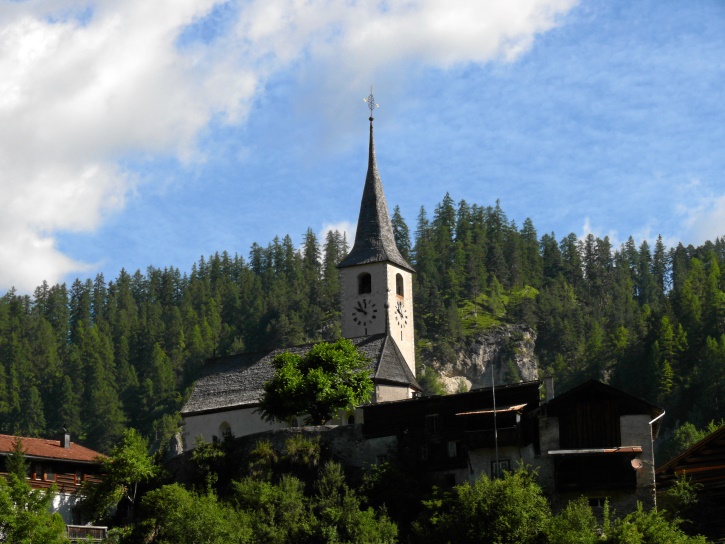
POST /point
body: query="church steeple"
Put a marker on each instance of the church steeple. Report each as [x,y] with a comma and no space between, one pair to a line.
[374,239]
[376,282]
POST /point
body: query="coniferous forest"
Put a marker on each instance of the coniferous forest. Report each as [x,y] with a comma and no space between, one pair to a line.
[103,355]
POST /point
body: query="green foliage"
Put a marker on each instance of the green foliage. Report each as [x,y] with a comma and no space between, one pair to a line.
[681,499]
[128,466]
[651,527]
[24,514]
[341,516]
[208,460]
[576,524]
[329,377]
[510,509]
[430,381]
[278,513]
[15,463]
[173,515]
[687,435]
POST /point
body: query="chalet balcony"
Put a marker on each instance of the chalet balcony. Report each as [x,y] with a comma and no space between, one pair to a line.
[65,483]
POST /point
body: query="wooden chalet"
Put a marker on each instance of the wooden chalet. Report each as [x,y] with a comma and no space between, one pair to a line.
[63,464]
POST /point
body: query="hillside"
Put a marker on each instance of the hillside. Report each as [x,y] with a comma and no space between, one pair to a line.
[99,356]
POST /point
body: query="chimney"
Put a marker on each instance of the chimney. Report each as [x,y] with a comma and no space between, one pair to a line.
[65,439]
[549,387]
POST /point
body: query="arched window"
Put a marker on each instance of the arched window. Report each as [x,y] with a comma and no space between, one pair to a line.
[351,419]
[223,428]
[399,285]
[364,284]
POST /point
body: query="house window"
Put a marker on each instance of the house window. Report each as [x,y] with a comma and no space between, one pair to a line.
[364,284]
[452,450]
[351,419]
[498,467]
[424,453]
[399,285]
[432,424]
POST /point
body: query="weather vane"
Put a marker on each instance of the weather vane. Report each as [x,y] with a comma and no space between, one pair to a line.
[371,102]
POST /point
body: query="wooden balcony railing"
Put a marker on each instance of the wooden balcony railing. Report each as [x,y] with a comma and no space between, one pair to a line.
[86,533]
[65,483]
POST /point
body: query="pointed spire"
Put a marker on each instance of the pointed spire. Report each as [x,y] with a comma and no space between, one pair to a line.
[374,239]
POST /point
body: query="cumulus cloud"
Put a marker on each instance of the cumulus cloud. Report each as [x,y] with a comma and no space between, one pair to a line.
[88,84]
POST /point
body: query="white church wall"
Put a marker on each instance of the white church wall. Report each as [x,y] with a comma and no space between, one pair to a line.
[350,296]
[403,335]
[386,393]
[241,422]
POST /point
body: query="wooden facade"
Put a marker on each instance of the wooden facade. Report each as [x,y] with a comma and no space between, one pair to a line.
[704,464]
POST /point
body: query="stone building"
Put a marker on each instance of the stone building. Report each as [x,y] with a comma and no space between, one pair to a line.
[377,315]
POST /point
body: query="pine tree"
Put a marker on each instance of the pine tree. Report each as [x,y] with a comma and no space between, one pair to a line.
[401,233]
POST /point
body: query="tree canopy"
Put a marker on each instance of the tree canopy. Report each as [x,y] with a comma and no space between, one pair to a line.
[329,377]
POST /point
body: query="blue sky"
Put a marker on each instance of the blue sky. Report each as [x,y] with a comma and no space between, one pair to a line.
[136,133]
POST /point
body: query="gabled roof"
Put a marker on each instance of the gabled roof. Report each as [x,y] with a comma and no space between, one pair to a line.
[237,381]
[43,448]
[705,458]
[374,238]
[593,388]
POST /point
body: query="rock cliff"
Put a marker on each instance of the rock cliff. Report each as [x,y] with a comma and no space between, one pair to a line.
[508,349]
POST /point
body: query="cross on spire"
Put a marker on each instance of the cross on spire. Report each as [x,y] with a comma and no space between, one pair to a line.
[371,102]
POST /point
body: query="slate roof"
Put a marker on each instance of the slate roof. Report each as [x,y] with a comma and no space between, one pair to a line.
[237,380]
[48,449]
[374,239]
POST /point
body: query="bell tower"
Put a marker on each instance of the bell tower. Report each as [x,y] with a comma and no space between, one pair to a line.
[376,281]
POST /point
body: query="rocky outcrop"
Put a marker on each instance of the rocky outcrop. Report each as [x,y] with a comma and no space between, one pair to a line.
[508,350]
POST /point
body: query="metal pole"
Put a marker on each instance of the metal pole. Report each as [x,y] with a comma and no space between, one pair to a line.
[495,427]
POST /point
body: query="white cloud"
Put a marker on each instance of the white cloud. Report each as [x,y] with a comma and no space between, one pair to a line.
[705,218]
[87,84]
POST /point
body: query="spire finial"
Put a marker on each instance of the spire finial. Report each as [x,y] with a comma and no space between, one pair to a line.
[371,102]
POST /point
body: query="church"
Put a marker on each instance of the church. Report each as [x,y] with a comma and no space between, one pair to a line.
[376,315]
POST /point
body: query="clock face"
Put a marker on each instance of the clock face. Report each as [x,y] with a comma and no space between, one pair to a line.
[364,313]
[401,315]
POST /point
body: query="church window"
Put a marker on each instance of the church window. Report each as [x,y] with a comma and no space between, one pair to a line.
[399,285]
[223,428]
[364,284]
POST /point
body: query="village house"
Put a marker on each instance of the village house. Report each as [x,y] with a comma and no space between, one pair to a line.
[60,463]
